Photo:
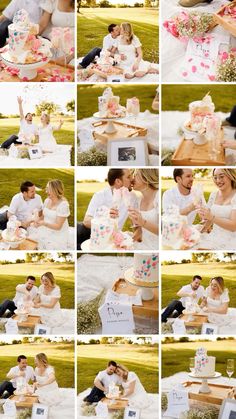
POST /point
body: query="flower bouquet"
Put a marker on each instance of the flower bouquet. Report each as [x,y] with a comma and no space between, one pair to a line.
[187,25]
[226,17]
[226,69]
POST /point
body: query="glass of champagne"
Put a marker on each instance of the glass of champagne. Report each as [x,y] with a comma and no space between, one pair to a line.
[230,368]
[192,364]
[122,261]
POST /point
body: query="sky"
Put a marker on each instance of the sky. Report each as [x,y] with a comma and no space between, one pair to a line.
[13,255]
[33,94]
[98,173]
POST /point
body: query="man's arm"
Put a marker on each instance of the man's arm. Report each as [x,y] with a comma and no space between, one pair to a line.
[182,293]
[99,385]
[11,375]
[20,101]
[87,221]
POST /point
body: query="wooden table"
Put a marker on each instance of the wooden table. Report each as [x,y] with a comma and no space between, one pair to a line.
[117,403]
[219,392]
[27,403]
[31,321]
[27,244]
[44,73]
[198,319]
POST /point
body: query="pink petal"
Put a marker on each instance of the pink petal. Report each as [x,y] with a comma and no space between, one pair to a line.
[212,78]
[184,73]
[194,69]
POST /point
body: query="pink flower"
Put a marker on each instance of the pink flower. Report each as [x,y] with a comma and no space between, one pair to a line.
[194,69]
[118,238]
[184,73]
[211,77]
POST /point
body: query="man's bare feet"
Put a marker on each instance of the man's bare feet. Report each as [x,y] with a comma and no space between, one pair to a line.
[129,76]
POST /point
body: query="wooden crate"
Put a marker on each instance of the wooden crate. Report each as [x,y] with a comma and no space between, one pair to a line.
[149,309]
[31,321]
[228,23]
[117,405]
[116,71]
[28,244]
[197,321]
[190,154]
[219,392]
[27,403]
[122,131]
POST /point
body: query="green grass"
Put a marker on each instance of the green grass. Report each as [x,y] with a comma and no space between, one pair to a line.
[175,357]
[93,23]
[175,276]
[143,360]
[3,4]
[60,355]
[178,97]
[87,98]
[14,274]
[85,192]
[10,180]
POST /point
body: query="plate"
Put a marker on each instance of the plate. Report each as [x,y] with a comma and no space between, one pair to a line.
[216,375]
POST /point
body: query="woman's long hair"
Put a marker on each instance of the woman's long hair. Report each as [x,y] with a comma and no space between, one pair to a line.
[50,277]
[42,359]
[231,174]
[220,283]
[125,371]
[149,177]
[128,32]
[57,187]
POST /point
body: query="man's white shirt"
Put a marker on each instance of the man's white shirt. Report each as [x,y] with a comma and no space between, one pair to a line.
[188,289]
[29,374]
[107,379]
[23,209]
[109,42]
[19,295]
[31,6]
[174,197]
[27,129]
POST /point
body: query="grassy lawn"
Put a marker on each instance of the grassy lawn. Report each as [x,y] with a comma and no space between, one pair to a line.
[85,192]
[15,274]
[175,276]
[3,4]
[93,23]
[87,98]
[10,180]
[60,355]
[175,357]
[143,360]
[178,97]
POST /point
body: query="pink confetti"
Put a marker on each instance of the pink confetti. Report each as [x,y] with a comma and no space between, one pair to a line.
[194,69]
[189,60]
[212,78]
[202,64]
[185,74]
[25,79]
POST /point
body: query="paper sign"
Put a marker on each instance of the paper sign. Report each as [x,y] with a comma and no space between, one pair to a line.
[101,410]
[179,327]
[11,327]
[116,318]
[113,296]
[9,408]
[177,403]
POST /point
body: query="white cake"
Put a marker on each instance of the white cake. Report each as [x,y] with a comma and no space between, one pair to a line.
[21,386]
[199,109]
[204,364]
[13,233]
[146,267]
[101,233]
[109,105]
[113,391]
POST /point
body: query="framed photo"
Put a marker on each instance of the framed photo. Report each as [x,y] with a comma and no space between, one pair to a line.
[41,329]
[127,152]
[35,152]
[115,78]
[228,409]
[131,413]
[209,329]
[39,411]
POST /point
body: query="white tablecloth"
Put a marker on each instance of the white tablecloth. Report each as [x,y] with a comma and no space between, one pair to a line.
[59,158]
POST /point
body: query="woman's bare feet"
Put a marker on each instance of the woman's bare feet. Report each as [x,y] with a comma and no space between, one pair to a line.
[129,76]
[140,73]
[153,70]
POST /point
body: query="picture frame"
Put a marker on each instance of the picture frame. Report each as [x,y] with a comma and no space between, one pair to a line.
[115,78]
[127,152]
[39,411]
[131,413]
[209,329]
[42,329]
[35,152]
[228,409]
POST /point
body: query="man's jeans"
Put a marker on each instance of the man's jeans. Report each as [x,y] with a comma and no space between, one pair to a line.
[7,305]
[83,233]
[4,31]
[94,396]
[11,140]
[88,59]
[175,305]
[3,220]
[6,386]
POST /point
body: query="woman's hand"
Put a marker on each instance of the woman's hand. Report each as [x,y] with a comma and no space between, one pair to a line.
[39,223]
[136,217]
[37,305]
[229,144]
[135,67]
[206,214]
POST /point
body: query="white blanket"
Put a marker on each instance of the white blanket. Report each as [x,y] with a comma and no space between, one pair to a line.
[173,50]
[59,158]
[172,121]
[149,413]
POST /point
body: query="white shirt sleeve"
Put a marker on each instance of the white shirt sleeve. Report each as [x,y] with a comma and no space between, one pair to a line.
[47,5]
[50,370]
[136,42]
[95,203]
[13,205]
[225,296]
[63,209]
[56,293]
[100,376]
[11,9]
[168,200]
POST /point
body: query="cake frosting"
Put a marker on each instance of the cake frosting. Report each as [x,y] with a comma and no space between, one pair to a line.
[204,365]
[13,232]
[146,267]
[21,386]
[113,391]
[199,110]
[109,105]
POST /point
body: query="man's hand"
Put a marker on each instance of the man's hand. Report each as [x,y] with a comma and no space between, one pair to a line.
[114,213]
[19,100]
[123,57]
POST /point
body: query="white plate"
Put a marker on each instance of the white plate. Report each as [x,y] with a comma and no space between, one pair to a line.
[217,375]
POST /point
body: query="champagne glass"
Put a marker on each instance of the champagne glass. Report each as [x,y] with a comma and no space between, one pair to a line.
[122,261]
[230,367]
[192,364]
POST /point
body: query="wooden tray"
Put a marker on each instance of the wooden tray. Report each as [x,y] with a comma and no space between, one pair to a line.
[30,322]
[116,71]
[228,23]
[123,131]
[27,244]
[190,154]
[149,309]
[219,392]
[118,404]
[197,322]
[46,71]
[28,402]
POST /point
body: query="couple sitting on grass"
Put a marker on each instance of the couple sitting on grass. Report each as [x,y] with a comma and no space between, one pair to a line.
[214,300]
[118,375]
[44,384]
[123,44]
[43,301]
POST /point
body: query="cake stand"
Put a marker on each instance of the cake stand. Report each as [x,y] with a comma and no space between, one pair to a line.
[205,389]
[12,244]
[28,71]
[146,289]
[110,128]
[86,247]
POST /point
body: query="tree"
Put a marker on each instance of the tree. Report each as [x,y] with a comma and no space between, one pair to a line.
[70,106]
[147,3]
[65,256]
[104,3]
[104,340]
[48,107]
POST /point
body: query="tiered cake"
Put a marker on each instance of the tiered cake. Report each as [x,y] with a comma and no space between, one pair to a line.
[146,268]
[13,232]
[204,364]
[113,391]
[199,109]
[109,105]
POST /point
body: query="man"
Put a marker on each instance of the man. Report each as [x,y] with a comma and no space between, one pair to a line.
[193,290]
[27,292]
[108,42]
[27,128]
[181,195]
[31,6]
[117,178]
[20,370]
[102,382]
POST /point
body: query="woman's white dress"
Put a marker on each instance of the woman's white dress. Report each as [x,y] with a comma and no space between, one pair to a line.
[48,394]
[130,53]
[216,318]
[150,241]
[139,398]
[48,238]
[51,317]
[46,138]
[219,238]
